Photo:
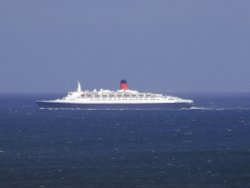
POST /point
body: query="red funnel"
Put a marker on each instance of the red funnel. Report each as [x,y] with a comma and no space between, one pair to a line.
[124,85]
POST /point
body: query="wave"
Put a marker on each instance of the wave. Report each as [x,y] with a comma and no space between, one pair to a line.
[198,108]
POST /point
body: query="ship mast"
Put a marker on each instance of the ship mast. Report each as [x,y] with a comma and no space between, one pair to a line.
[79,87]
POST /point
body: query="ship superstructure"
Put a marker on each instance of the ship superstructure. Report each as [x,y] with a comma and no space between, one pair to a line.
[124,98]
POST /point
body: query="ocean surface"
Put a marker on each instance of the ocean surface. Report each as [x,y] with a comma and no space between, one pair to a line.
[207,146]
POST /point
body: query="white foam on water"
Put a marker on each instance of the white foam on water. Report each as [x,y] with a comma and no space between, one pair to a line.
[216,108]
[200,108]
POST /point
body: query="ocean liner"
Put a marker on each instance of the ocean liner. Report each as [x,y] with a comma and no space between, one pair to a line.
[122,99]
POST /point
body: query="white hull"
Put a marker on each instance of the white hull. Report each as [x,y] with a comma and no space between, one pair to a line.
[121,99]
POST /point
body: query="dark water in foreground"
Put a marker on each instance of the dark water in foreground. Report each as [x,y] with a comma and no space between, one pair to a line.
[202,147]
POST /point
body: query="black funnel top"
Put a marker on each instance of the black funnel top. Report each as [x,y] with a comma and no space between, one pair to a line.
[123,81]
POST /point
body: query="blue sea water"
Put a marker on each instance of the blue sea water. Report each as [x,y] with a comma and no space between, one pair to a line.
[206,146]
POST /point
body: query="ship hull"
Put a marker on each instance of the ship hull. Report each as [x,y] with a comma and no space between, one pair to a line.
[106,106]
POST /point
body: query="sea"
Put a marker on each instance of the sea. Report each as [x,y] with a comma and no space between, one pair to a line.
[207,146]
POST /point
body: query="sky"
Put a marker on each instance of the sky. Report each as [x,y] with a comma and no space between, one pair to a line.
[157,45]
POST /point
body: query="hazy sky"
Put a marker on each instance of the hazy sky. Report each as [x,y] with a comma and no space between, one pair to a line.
[157,45]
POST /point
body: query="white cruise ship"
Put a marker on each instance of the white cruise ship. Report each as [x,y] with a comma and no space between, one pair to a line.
[124,98]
